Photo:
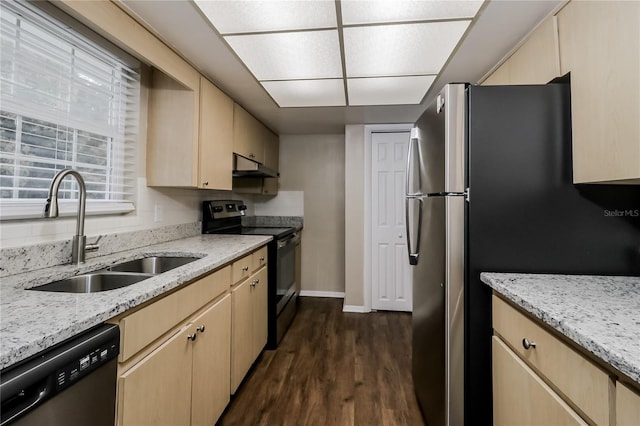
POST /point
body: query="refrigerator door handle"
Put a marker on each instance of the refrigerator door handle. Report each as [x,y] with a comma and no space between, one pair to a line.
[413,144]
[413,255]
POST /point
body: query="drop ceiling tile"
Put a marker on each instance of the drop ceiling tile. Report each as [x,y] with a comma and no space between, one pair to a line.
[388,90]
[403,49]
[290,56]
[380,11]
[306,93]
[268,15]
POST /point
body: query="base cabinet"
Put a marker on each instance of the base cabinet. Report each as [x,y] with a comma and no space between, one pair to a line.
[627,406]
[151,393]
[185,381]
[520,397]
[539,379]
[211,360]
[248,324]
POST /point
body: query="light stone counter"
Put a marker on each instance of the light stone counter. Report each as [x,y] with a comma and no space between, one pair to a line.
[31,321]
[599,313]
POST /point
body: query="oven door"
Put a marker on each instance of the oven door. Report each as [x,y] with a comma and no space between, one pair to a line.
[286,270]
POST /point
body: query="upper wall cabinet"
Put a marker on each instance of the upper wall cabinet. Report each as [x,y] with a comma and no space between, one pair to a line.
[600,45]
[248,134]
[535,62]
[216,138]
[189,141]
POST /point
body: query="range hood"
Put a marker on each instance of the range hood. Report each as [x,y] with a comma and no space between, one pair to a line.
[243,167]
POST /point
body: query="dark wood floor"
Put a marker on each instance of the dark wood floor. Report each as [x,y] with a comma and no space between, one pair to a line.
[332,368]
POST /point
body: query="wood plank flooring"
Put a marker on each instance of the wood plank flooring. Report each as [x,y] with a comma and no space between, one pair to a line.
[332,368]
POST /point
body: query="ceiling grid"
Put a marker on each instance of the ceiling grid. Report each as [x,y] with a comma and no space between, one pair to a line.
[309,53]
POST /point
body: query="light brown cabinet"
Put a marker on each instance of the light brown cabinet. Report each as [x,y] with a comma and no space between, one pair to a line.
[627,406]
[248,135]
[211,361]
[580,386]
[175,356]
[251,139]
[535,62]
[215,138]
[248,323]
[150,393]
[599,45]
[189,140]
[185,380]
[521,397]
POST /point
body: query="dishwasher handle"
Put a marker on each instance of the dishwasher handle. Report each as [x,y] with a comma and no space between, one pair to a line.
[291,239]
[30,398]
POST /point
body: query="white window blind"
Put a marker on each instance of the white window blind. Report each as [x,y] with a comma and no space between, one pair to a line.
[65,102]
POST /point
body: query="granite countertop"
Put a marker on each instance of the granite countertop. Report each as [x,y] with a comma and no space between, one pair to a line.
[599,313]
[31,321]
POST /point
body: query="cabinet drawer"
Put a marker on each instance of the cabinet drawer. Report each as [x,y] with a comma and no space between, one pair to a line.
[574,376]
[144,326]
[241,268]
[259,258]
[627,406]
[520,397]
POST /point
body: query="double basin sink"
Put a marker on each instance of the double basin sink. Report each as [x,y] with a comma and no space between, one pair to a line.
[117,276]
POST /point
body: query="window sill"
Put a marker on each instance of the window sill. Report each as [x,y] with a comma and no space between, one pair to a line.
[30,209]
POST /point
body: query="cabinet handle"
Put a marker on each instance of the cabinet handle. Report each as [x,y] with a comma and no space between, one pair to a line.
[245,268]
[200,328]
[261,258]
[192,337]
[205,183]
[253,283]
[527,344]
[257,282]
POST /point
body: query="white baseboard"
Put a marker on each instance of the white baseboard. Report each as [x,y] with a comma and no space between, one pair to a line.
[356,308]
[313,293]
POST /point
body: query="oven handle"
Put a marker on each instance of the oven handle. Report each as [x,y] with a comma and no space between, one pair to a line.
[292,239]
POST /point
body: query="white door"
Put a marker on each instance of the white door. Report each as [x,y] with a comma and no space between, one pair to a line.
[390,271]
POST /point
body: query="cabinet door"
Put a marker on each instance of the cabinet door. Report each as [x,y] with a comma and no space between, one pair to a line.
[259,311]
[271,149]
[627,406]
[172,133]
[241,338]
[535,62]
[157,390]
[599,45]
[248,134]
[520,397]
[215,138]
[211,363]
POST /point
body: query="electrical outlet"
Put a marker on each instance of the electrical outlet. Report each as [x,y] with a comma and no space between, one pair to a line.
[158,213]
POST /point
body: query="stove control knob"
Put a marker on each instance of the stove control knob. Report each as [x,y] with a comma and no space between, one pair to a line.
[242,207]
[217,209]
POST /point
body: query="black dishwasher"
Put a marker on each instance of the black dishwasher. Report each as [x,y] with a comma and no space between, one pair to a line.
[72,383]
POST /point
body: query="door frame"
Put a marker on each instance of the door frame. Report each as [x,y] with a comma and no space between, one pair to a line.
[369,129]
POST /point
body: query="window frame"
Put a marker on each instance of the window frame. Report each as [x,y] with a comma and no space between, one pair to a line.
[29,208]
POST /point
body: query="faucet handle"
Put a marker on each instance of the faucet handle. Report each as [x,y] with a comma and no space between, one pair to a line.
[93,246]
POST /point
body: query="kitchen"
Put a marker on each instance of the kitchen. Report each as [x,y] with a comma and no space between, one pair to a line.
[333,220]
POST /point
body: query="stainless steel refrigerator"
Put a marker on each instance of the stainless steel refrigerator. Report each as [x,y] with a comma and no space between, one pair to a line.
[489,188]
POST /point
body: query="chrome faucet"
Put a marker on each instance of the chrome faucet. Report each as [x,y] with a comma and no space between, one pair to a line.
[79,243]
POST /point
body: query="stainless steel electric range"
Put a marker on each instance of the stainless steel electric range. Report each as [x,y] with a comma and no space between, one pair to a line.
[225,217]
